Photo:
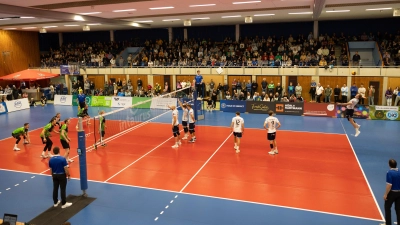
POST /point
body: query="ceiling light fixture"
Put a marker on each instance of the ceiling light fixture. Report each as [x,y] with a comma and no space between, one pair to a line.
[86,28]
[167,7]
[378,9]
[201,18]
[78,18]
[248,19]
[264,15]
[224,17]
[50,26]
[27,28]
[27,17]
[187,23]
[248,2]
[143,21]
[94,24]
[204,5]
[125,10]
[89,13]
[72,25]
[167,20]
[300,13]
[337,11]
[42,31]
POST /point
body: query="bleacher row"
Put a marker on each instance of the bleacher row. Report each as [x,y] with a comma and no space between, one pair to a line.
[301,50]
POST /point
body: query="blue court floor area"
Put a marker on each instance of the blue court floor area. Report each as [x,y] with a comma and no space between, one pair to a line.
[118,204]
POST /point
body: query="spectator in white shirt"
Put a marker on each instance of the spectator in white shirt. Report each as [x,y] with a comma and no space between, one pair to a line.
[318,91]
[345,91]
[361,91]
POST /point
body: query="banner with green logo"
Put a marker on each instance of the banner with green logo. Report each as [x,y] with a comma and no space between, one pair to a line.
[75,101]
[103,101]
[137,100]
[377,112]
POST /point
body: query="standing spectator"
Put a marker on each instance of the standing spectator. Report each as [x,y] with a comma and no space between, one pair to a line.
[220,89]
[395,92]
[178,85]
[43,99]
[345,91]
[120,62]
[52,92]
[313,90]
[60,172]
[389,94]
[353,90]
[119,84]
[87,87]
[392,192]
[248,87]
[356,59]
[328,93]
[298,90]
[15,92]
[8,92]
[264,85]
[290,89]
[207,93]
[318,91]
[212,86]
[371,93]
[279,89]
[166,87]
[254,87]
[92,87]
[238,87]
[336,92]
[139,84]
[271,87]
[361,91]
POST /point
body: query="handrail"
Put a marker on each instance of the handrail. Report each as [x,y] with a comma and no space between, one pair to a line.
[348,55]
[380,54]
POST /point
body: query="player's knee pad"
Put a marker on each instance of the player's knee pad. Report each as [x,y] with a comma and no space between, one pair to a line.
[185,129]
[175,135]
[348,118]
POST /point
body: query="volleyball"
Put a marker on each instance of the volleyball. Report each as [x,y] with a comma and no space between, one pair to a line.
[353,73]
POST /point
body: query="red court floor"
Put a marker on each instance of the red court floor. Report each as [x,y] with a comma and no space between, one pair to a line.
[313,171]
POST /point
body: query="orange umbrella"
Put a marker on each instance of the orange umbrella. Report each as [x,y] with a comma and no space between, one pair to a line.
[29,75]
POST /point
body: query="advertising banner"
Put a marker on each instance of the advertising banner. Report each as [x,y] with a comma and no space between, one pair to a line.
[384,112]
[3,107]
[288,108]
[63,99]
[75,101]
[103,101]
[319,109]
[161,103]
[137,102]
[16,105]
[121,102]
[360,111]
[71,69]
[232,106]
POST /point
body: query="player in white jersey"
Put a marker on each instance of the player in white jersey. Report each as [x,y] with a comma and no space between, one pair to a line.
[191,124]
[237,126]
[175,125]
[185,117]
[271,124]
[350,111]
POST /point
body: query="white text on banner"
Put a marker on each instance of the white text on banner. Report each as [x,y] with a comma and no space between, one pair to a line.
[161,103]
[63,100]
[121,102]
[17,105]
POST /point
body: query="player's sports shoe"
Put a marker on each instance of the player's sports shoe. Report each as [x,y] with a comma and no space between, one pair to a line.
[179,143]
[237,150]
[235,147]
[70,160]
[43,156]
[271,152]
[49,155]
[16,149]
[55,205]
[358,126]
[276,151]
[175,146]
[184,138]
[26,142]
[66,205]
[192,140]
[357,133]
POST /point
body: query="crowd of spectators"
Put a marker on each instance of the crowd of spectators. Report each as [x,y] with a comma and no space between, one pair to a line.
[301,50]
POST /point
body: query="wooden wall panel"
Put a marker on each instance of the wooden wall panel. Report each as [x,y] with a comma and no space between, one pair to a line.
[134,79]
[98,80]
[304,82]
[23,48]
[185,78]
[393,82]
[365,81]
[275,79]
[159,79]
[216,78]
[114,76]
[332,82]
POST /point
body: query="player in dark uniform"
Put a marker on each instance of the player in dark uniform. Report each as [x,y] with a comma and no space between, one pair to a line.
[102,128]
[57,118]
[65,140]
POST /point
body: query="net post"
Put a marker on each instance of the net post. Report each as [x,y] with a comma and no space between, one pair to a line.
[82,157]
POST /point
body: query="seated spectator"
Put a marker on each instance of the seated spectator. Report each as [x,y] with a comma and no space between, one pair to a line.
[127,93]
[292,98]
[43,100]
[386,59]
[32,102]
[268,98]
[228,96]
[345,60]
[322,62]
[121,93]
[25,95]
[300,98]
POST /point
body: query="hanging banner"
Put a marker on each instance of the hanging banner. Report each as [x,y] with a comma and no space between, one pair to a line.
[319,109]
[103,101]
[63,99]
[285,108]
[360,111]
[384,112]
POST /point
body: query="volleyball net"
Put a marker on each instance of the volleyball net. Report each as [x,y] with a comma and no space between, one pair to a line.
[106,126]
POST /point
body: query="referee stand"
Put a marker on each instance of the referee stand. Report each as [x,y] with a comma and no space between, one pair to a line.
[82,157]
[198,107]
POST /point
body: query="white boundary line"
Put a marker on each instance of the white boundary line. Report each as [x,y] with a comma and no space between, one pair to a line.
[365,177]
[206,196]
[138,159]
[198,171]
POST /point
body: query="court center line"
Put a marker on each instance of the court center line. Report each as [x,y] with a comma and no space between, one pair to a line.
[362,170]
[207,196]
[139,158]
[215,152]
